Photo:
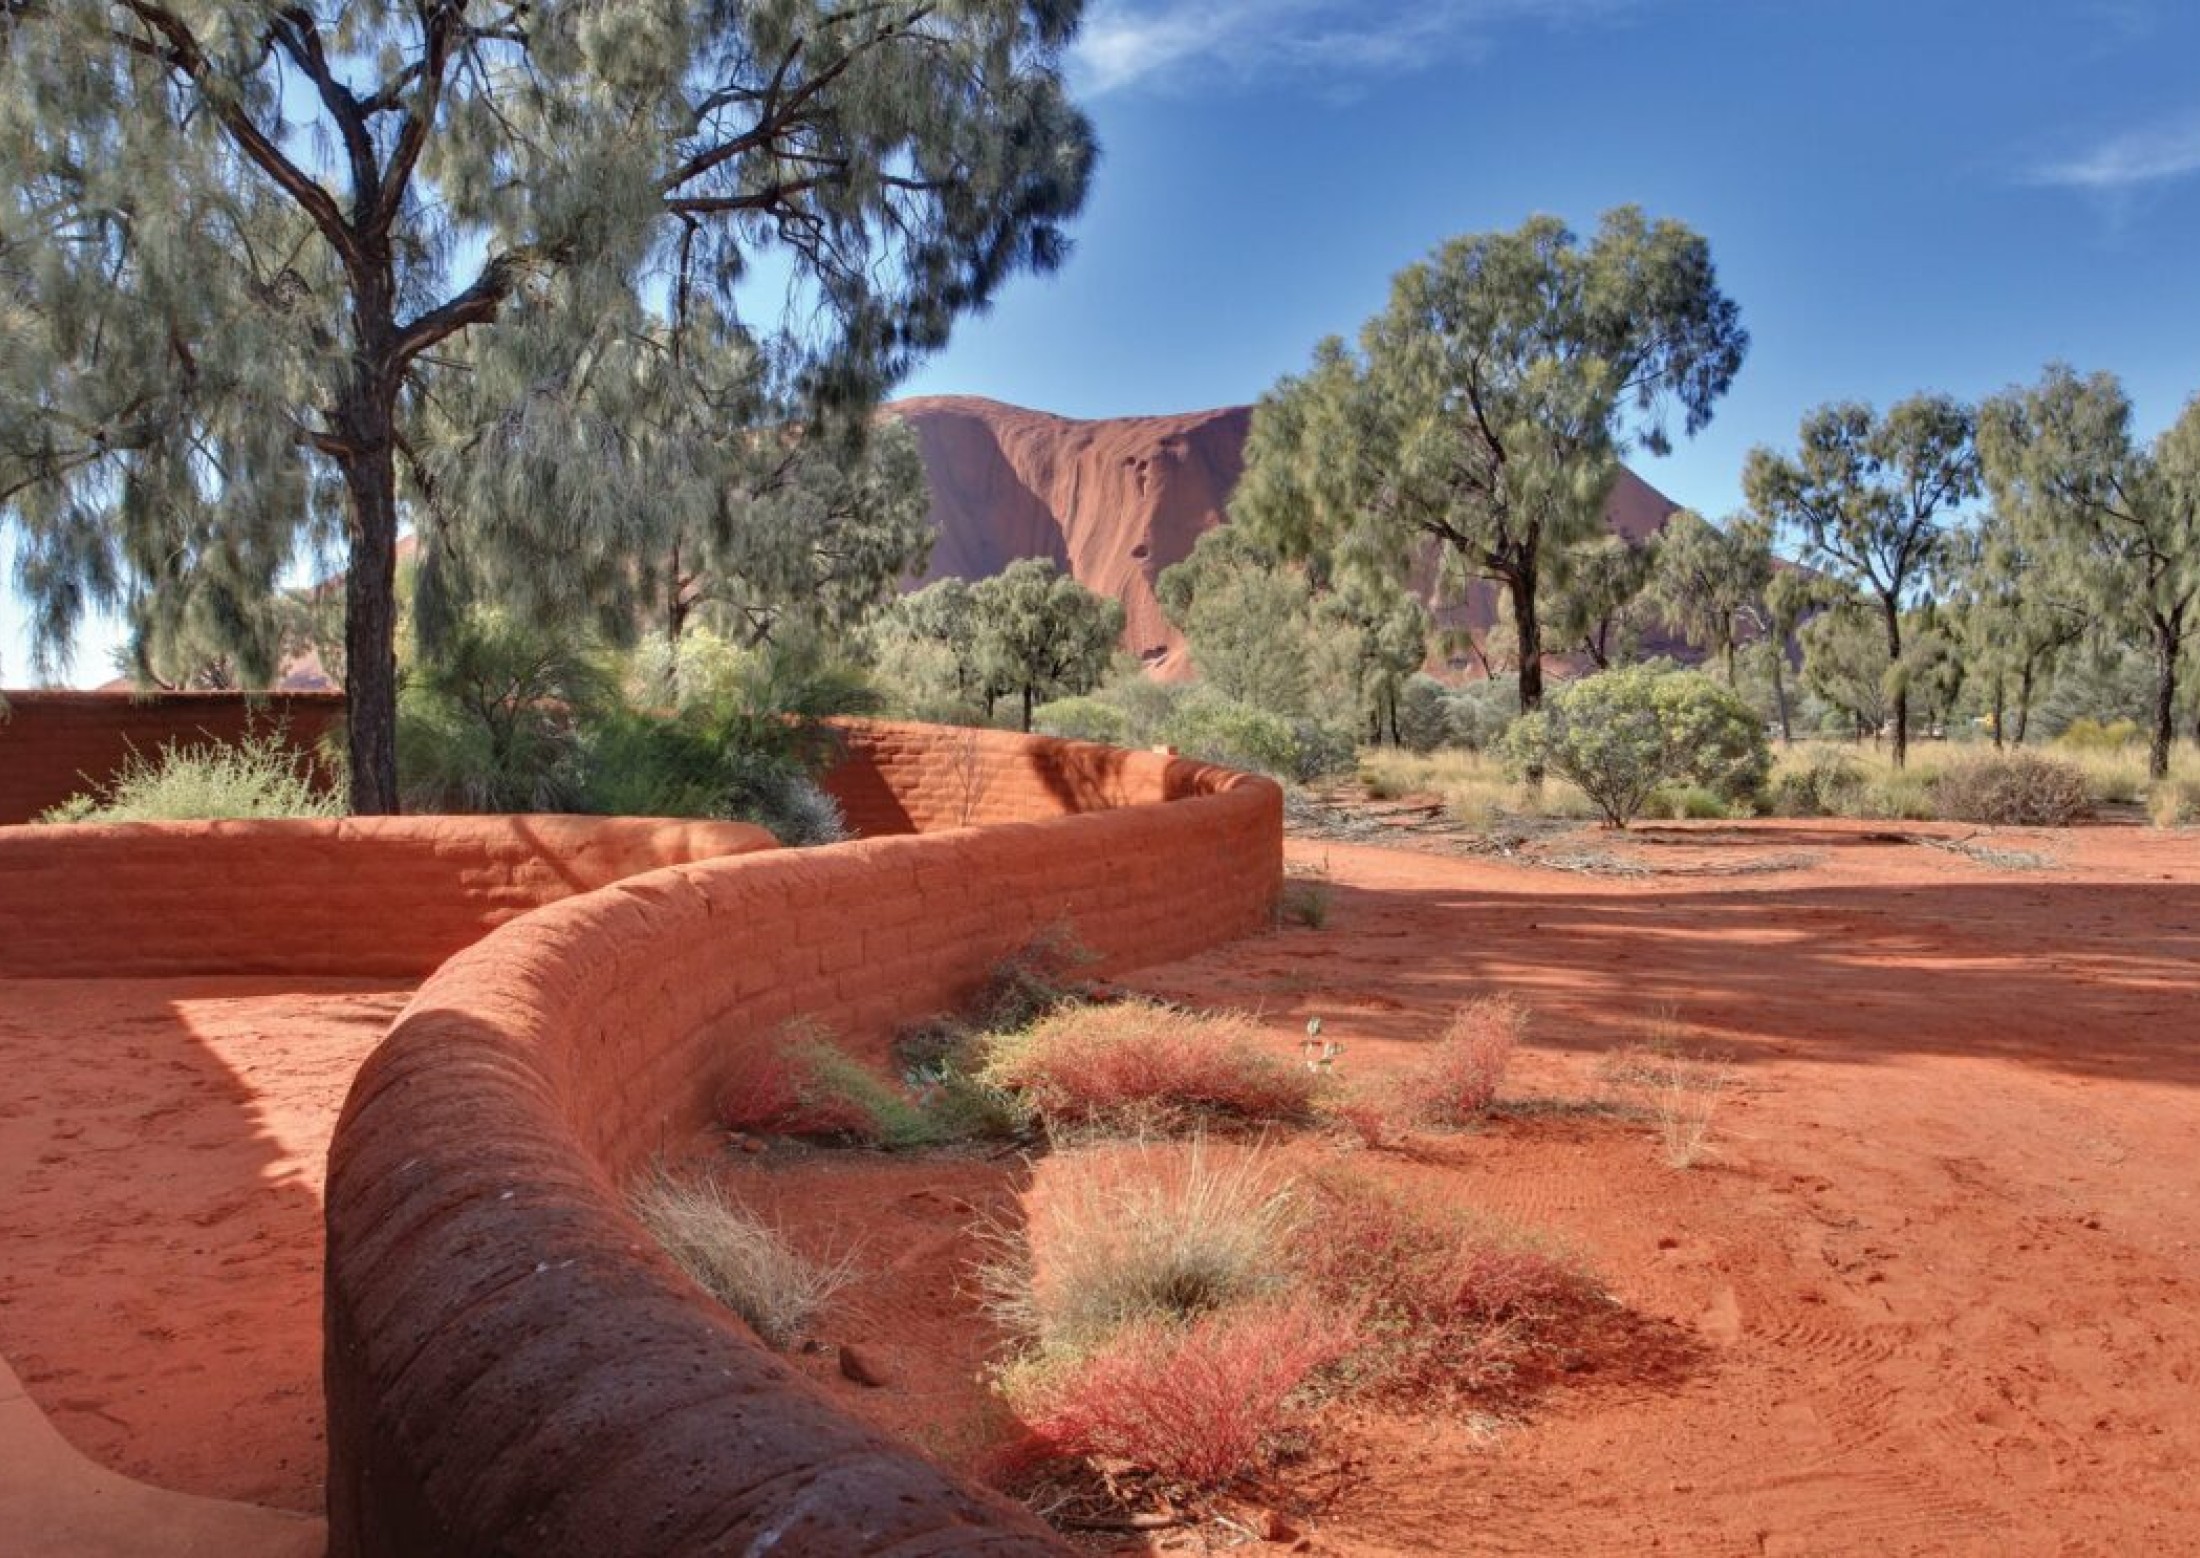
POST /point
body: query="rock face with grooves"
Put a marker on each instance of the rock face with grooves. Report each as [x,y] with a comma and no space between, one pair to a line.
[1117,500]
[1114,501]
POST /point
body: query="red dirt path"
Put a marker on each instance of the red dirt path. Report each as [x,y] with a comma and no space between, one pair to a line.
[1945,1267]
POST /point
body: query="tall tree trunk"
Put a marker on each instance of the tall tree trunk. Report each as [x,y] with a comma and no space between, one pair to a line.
[370,629]
[2001,701]
[1529,632]
[2024,698]
[2168,640]
[1027,708]
[1893,612]
[1780,694]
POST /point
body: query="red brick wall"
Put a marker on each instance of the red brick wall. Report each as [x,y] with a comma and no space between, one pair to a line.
[388,896]
[510,1364]
[55,744]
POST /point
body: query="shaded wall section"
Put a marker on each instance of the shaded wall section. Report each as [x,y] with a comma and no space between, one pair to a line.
[55,744]
[512,1366]
[370,896]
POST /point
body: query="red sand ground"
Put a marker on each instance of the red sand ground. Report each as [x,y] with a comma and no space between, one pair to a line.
[162,1147]
[1942,1270]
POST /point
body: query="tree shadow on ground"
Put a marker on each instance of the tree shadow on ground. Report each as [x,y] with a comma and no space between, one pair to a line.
[2087,978]
[160,1203]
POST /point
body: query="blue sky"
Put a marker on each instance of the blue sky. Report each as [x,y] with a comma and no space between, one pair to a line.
[1943,194]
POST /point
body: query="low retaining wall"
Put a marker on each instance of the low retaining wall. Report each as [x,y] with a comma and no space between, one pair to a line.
[55,744]
[511,1365]
[379,896]
[900,778]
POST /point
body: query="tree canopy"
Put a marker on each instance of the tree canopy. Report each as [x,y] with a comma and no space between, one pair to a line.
[1710,582]
[1870,498]
[279,275]
[1488,407]
[1040,634]
[2117,521]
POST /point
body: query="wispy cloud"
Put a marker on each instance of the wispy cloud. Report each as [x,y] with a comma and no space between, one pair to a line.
[1129,43]
[2152,155]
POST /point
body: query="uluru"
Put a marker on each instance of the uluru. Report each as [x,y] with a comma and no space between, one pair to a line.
[1116,499]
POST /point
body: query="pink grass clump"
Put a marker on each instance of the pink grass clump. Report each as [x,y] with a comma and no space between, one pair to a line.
[1198,1405]
[780,1086]
[1142,1065]
[1442,1303]
[1457,1081]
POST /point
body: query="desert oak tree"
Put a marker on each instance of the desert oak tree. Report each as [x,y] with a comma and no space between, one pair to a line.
[1040,633]
[1871,498]
[1487,409]
[248,252]
[2114,521]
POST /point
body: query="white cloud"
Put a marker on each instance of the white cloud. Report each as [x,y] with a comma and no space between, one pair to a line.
[1128,43]
[2149,156]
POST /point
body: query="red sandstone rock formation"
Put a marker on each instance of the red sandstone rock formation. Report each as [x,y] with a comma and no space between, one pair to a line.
[1116,501]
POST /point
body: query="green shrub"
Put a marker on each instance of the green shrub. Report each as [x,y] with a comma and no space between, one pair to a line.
[703,763]
[490,721]
[1083,719]
[2087,734]
[1479,712]
[1620,734]
[260,775]
[1826,783]
[1237,735]
[2021,789]
[1424,714]
[1686,802]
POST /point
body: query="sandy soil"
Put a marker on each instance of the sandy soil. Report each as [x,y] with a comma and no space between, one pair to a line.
[1944,1265]
[162,1147]
[1940,1276]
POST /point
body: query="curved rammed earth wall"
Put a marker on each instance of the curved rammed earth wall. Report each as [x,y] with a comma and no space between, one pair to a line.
[511,1365]
[380,896]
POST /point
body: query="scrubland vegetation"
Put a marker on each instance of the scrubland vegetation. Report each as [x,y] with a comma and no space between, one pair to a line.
[1207,1259]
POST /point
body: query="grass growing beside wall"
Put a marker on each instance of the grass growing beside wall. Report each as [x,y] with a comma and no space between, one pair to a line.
[258,776]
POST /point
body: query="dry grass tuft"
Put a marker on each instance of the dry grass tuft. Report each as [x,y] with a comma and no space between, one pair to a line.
[736,1257]
[1678,1090]
[1133,1234]
[1442,1303]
